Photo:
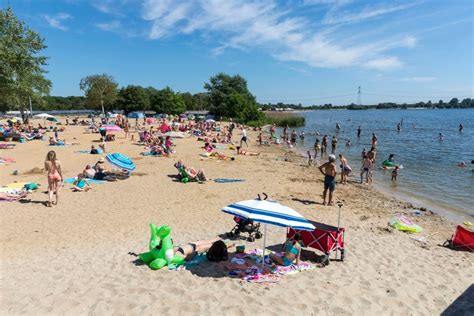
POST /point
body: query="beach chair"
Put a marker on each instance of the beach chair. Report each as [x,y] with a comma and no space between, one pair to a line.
[462,239]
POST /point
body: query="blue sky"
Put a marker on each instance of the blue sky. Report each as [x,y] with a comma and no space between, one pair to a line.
[294,51]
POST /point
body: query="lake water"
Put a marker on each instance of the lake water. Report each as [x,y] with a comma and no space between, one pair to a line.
[430,175]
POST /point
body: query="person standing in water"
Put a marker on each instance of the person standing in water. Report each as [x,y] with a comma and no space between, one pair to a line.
[317,147]
[358,132]
[399,127]
[328,169]
[374,140]
[325,144]
[333,145]
[338,127]
[461,128]
[55,176]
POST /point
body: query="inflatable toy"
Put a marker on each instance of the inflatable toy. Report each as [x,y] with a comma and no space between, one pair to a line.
[388,163]
[161,249]
[401,223]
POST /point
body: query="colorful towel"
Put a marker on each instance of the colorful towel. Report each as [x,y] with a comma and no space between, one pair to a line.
[91,181]
[224,180]
[7,160]
[147,153]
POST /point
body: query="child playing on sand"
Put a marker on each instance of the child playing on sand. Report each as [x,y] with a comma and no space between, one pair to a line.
[81,184]
[395,173]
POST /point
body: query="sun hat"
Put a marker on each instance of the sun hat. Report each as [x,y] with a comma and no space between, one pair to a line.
[101,160]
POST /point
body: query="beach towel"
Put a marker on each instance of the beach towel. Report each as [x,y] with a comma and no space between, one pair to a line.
[148,153]
[58,145]
[197,260]
[16,185]
[82,151]
[7,160]
[224,180]
[7,146]
[91,181]
[12,195]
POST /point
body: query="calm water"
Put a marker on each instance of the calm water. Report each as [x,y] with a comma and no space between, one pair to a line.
[430,175]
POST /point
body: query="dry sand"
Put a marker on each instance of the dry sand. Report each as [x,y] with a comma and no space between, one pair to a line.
[75,258]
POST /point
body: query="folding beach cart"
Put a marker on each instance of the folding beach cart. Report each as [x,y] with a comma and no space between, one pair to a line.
[325,238]
[462,239]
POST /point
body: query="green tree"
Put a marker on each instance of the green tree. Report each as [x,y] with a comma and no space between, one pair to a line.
[21,70]
[454,102]
[100,90]
[132,98]
[230,97]
[166,101]
[189,101]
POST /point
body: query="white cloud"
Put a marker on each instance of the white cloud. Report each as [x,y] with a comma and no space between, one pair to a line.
[109,26]
[262,24]
[384,63]
[335,17]
[419,79]
[56,21]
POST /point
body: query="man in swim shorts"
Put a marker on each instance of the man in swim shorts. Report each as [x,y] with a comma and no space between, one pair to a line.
[328,169]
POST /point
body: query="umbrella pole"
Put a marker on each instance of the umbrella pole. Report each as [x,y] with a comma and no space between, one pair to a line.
[264,243]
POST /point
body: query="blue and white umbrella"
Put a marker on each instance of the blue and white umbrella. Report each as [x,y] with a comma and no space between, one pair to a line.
[268,212]
[121,161]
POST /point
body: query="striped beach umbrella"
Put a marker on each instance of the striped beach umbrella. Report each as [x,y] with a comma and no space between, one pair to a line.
[268,212]
[121,161]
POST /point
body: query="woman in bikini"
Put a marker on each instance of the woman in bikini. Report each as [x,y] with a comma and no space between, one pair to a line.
[55,175]
[292,254]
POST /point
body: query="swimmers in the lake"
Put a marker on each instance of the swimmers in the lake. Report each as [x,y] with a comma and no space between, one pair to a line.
[440,137]
[461,128]
[399,127]
[358,132]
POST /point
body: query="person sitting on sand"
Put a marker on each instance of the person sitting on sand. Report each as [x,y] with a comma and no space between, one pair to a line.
[88,172]
[292,254]
[81,184]
[192,173]
[328,169]
[94,151]
[208,148]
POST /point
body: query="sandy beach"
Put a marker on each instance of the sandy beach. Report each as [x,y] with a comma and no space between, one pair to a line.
[78,257]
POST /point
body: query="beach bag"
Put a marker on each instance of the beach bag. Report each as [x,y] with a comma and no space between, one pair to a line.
[217,252]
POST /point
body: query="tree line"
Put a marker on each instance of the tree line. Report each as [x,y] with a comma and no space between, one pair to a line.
[454,103]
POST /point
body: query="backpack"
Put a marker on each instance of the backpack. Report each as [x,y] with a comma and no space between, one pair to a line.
[217,252]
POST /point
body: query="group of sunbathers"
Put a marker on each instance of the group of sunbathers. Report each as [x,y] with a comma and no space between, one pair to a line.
[97,172]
